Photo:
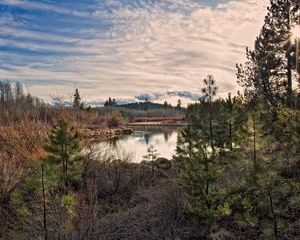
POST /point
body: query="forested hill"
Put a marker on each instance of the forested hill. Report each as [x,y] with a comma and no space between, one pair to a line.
[142,106]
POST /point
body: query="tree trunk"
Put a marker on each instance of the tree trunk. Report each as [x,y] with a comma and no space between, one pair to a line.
[289,83]
[274,218]
[230,135]
[44,206]
[254,141]
[289,63]
[210,126]
[207,187]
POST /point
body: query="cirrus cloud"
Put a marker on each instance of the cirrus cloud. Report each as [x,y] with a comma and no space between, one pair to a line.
[121,48]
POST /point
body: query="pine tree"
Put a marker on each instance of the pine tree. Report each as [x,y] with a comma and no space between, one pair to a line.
[287,133]
[146,104]
[76,100]
[210,91]
[281,18]
[202,170]
[89,109]
[237,115]
[199,180]
[187,142]
[40,199]
[166,105]
[269,65]
[40,195]
[263,187]
[151,156]
[114,102]
[39,183]
[179,103]
[62,148]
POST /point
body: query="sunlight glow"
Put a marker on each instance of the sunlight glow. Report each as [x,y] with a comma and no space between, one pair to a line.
[296,31]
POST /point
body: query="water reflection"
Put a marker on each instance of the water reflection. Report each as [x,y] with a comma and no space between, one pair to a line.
[135,146]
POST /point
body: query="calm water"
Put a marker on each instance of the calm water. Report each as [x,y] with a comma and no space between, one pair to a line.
[134,146]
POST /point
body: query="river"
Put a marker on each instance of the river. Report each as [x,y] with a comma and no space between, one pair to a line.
[134,147]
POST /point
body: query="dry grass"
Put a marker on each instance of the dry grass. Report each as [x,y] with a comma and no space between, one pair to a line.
[19,143]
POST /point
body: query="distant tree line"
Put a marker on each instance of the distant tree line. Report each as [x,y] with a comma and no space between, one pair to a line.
[110,102]
[145,105]
[133,113]
[16,105]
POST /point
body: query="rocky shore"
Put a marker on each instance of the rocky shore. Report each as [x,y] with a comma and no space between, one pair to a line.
[98,133]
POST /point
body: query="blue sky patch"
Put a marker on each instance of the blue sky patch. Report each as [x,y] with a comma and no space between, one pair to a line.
[126,48]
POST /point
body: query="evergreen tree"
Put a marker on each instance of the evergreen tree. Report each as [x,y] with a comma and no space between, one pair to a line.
[146,104]
[281,18]
[179,103]
[151,156]
[76,100]
[199,180]
[114,103]
[287,134]
[89,109]
[253,183]
[269,65]
[166,105]
[187,142]
[230,116]
[39,201]
[262,188]
[210,91]
[40,196]
[62,148]
[202,170]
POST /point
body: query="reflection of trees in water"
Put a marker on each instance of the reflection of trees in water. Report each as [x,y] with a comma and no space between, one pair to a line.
[144,134]
[133,145]
[113,142]
[149,135]
[168,131]
[150,132]
[113,149]
[167,136]
[147,138]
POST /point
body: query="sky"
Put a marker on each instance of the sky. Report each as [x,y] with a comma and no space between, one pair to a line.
[126,49]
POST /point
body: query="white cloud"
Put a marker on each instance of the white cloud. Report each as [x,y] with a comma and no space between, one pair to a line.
[27,4]
[163,46]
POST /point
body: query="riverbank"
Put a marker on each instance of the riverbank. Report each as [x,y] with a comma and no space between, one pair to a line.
[100,134]
[104,133]
[157,124]
[163,122]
